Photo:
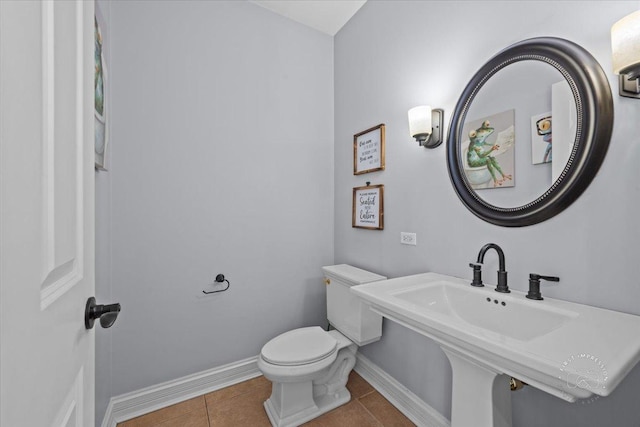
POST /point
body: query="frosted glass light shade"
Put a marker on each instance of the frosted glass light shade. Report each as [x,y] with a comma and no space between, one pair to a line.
[625,44]
[420,120]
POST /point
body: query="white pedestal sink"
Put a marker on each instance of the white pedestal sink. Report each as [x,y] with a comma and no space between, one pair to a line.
[481,396]
[570,350]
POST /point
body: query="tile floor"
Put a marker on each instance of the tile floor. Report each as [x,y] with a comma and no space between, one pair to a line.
[241,405]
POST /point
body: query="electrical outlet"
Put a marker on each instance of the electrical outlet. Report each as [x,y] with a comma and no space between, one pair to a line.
[408,238]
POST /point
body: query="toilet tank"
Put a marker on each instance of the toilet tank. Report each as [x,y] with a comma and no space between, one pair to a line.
[345,311]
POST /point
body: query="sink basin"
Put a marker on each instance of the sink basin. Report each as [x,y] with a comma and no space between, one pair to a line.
[489,313]
[570,350]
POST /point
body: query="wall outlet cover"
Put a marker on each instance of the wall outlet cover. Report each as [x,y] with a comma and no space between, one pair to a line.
[408,238]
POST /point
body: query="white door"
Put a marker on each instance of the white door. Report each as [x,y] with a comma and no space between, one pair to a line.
[46,213]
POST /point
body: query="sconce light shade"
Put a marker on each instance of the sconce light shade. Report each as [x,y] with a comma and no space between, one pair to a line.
[625,45]
[420,121]
[425,125]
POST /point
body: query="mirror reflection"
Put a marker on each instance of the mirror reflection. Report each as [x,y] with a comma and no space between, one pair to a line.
[518,134]
[529,132]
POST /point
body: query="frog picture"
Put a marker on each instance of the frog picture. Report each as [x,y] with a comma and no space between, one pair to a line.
[489,156]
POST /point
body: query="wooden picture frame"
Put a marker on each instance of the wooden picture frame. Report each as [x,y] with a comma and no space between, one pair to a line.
[368,150]
[368,207]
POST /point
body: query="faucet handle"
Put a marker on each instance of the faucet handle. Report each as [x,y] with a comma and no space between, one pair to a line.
[534,285]
[477,274]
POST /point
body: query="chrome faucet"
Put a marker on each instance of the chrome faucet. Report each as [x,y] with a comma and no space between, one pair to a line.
[502,273]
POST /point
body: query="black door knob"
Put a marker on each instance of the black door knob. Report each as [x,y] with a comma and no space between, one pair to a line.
[106,313]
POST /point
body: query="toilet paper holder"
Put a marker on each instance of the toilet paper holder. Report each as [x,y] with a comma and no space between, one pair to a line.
[219,279]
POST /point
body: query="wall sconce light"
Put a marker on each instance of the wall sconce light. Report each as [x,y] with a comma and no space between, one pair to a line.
[426,124]
[625,44]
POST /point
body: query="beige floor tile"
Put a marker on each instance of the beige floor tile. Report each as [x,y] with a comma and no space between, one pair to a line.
[384,411]
[352,414]
[197,418]
[242,410]
[259,384]
[357,386]
[174,411]
[242,405]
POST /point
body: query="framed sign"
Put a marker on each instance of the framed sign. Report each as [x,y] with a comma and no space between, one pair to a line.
[368,150]
[368,207]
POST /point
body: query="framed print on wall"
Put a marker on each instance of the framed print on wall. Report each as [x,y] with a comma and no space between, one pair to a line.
[368,207]
[541,137]
[488,151]
[100,95]
[368,150]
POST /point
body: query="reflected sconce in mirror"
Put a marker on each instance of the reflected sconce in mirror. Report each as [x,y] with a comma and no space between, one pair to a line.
[426,124]
[625,45]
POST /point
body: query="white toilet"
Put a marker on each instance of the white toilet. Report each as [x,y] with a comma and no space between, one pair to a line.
[309,367]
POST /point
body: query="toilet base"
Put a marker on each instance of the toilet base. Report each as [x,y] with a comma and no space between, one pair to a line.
[294,403]
[322,405]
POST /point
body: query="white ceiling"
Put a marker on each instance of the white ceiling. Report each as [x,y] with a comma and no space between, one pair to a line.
[328,16]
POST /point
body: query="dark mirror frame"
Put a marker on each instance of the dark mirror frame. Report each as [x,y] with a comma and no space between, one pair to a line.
[594,106]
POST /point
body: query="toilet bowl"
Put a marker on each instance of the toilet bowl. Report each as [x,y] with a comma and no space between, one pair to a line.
[309,367]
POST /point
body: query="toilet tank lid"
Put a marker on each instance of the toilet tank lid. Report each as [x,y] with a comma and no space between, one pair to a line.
[350,274]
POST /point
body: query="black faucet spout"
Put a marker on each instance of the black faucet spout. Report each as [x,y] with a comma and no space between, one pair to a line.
[502,272]
[498,249]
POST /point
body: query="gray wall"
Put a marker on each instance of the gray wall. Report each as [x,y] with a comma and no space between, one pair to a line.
[394,55]
[221,162]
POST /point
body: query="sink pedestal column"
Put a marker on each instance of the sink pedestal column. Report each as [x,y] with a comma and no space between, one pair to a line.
[481,396]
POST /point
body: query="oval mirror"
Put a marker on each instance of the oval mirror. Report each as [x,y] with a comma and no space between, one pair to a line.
[529,132]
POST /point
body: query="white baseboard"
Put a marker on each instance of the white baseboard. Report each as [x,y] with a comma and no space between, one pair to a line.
[149,399]
[130,405]
[414,408]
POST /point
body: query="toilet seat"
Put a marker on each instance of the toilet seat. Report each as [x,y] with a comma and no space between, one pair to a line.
[300,347]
